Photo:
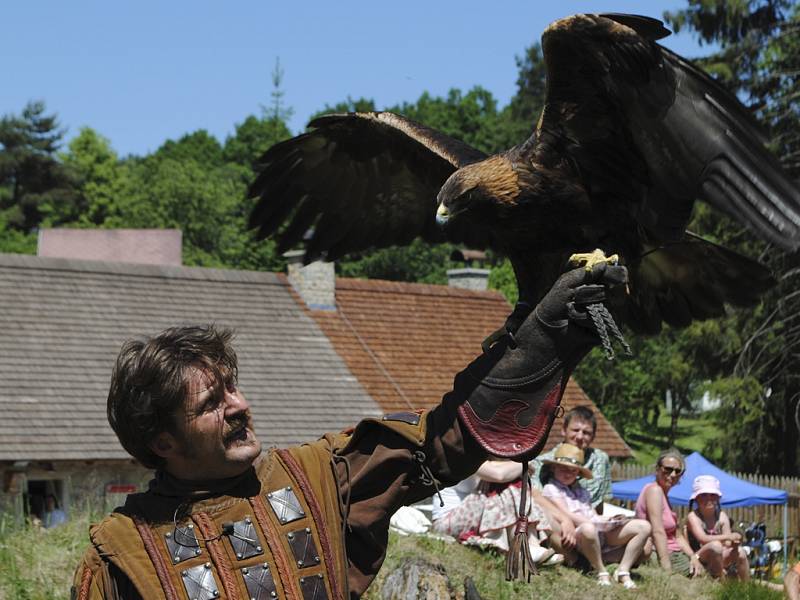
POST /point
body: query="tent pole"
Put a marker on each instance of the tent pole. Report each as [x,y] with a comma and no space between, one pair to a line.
[785,549]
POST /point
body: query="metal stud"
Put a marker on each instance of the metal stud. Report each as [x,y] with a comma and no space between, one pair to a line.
[197,551]
[245,570]
[290,536]
[274,594]
[316,559]
[239,555]
[207,565]
[288,488]
[247,520]
[191,525]
[266,566]
[168,535]
[259,548]
[300,563]
[308,529]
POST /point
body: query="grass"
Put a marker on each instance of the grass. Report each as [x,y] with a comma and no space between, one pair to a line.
[38,564]
[488,571]
[694,434]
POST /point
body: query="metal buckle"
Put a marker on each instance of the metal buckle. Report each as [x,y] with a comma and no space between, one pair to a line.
[259,582]
[182,543]
[285,505]
[303,547]
[200,583]
[313,587]
[244,539]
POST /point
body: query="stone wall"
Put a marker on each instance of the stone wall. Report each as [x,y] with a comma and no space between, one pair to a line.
[97,486]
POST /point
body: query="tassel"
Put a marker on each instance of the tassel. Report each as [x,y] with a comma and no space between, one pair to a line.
[519,563]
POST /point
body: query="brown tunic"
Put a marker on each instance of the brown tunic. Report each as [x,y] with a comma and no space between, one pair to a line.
[306,523]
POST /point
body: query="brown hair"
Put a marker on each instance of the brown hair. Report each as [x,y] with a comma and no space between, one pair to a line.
[671,453]
[582,413]
[149,382]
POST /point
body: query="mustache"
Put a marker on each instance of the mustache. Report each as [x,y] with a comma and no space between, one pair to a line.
[236,423]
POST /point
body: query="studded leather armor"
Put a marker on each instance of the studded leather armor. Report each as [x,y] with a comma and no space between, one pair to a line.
[278,531]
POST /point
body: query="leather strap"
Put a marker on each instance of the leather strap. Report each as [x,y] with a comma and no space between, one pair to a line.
[156,558]
[86,582]
[213,541]
[316,513]
[276,548]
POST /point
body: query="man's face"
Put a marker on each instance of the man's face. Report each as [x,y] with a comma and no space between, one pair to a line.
[578,433]
[214,432]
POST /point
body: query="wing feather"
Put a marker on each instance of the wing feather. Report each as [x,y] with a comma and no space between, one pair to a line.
[617,102]
[361,180]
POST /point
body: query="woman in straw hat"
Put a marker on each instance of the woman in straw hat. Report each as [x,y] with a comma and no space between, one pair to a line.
[708,530]
[595,535]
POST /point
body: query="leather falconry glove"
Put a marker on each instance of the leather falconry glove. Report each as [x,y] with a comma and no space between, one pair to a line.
[517,384]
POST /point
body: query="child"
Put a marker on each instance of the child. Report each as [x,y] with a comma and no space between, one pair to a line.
[708,530]
[593,534]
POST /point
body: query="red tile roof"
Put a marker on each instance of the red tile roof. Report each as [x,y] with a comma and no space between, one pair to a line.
[404,342]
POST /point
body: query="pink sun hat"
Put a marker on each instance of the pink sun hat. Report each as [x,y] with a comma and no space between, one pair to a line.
[705,484]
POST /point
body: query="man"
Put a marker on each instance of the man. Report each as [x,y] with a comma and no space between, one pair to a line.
[579,429]
[311,522]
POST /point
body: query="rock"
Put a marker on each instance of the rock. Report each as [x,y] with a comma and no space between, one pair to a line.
[417,579]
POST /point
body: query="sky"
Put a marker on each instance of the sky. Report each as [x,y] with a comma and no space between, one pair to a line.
[143,72]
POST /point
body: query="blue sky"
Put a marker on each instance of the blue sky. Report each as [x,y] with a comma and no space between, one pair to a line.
[143,72]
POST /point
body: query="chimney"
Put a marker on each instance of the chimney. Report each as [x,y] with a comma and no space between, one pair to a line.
[142,246]
[314,283]
[469,278]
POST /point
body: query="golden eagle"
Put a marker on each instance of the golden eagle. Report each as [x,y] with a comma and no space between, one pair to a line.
[630,135]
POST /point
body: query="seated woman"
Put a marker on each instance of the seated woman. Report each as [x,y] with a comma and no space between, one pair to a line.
[595,535]
[708,530]
[674,552]
[485,515]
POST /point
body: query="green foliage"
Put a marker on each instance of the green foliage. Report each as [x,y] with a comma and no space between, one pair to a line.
[502,279]
[419,261]
[252,138]
[200,147]
[32,180]
[101,180]
[760,386]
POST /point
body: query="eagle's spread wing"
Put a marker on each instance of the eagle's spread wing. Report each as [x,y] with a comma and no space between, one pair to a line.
[358,181]
[646,132]
[643,126]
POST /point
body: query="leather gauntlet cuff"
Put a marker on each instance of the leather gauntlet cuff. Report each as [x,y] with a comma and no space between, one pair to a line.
[510,417]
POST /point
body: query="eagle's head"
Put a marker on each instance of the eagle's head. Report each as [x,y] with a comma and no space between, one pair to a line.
[479,190]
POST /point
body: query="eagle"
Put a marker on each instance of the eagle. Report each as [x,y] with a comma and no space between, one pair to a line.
[630,136]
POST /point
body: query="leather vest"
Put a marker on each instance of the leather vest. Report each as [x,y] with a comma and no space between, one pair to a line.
[285,541]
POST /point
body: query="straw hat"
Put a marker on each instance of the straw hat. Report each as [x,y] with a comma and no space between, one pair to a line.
[569,456]
[705,484]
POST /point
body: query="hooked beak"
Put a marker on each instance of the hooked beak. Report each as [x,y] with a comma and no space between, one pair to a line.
[442,215]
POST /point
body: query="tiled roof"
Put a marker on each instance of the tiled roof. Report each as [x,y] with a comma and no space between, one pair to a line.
[63,322]
[405,342]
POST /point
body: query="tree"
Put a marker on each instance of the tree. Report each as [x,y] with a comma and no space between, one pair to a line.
[759,59]
[101,179]
[32,181]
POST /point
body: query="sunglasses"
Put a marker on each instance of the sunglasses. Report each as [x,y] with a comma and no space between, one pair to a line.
[672,470]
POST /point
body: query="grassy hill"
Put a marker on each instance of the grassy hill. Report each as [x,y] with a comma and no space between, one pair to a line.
[37,564]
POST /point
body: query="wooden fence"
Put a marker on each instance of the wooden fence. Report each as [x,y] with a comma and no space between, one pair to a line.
[770,514]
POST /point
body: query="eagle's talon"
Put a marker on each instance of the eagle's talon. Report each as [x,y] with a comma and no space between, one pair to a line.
[589,260]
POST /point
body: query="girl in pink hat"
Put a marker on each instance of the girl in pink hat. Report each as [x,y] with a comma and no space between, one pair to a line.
[708,530]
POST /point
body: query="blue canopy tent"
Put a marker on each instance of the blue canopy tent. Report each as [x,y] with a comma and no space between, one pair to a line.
[735,491]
